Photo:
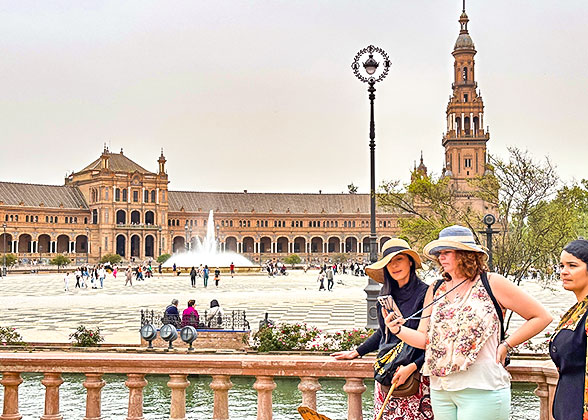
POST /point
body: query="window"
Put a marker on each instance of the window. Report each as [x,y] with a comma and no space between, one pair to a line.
[106,243]
[465,97]
[106,193]
[117,194]
[153,196]
[135,196]
[94,217]
[146,196]
[467,162]
[27,218]
[125,197]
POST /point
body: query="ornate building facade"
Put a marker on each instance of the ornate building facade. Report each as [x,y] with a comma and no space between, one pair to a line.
[114,205]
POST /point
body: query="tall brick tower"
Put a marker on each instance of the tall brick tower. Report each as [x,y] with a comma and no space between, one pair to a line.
[465,140]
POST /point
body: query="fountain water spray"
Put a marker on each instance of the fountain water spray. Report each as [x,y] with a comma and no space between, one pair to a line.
[207,252]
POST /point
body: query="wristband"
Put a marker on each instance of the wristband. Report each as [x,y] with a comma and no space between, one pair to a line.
[397,332]
[509,348]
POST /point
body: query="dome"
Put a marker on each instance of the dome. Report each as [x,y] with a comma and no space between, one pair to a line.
[464,41]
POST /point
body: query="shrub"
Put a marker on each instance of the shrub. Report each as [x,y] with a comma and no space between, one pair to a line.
[293,259]
[9,336]
[11,259]
[163,258]
[111,258]
[60,261]
[86,337]
[346,339]
[283,337]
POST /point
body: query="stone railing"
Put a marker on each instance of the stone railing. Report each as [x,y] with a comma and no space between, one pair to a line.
[220,367]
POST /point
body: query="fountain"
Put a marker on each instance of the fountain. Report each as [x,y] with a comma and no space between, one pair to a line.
[207,253]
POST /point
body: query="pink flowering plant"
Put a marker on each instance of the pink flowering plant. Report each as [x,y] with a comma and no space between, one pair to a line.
[10,337]
[86,337]
[347,339]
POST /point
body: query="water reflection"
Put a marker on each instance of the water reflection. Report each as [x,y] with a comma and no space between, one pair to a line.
[331,400]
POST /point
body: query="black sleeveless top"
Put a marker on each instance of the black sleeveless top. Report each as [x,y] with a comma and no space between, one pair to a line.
[568,352]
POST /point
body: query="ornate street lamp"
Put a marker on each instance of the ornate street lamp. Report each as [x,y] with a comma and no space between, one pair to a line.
[368,73]
[489,220]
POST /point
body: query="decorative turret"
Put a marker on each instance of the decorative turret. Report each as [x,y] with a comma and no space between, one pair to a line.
[161,162]
[104,158]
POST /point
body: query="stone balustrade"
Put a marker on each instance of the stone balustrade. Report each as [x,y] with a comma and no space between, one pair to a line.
[220,367]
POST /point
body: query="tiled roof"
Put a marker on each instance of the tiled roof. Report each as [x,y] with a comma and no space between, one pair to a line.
[117,162]
[32,195]
[227,202]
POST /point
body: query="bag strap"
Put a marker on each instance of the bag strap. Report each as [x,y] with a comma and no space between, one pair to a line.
[486,283]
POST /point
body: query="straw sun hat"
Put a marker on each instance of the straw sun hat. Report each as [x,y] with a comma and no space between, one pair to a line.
[458,238]
[391,248]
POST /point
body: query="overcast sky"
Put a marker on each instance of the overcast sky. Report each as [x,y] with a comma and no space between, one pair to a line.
[259,95]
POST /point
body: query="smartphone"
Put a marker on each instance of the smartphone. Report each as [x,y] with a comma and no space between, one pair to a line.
[387,302]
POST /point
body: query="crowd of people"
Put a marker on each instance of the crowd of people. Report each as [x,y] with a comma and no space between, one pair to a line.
[94,276]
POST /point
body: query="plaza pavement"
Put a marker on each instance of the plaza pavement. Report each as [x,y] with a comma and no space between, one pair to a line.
[41,311]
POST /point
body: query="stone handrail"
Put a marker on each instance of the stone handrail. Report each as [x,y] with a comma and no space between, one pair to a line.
[220,367]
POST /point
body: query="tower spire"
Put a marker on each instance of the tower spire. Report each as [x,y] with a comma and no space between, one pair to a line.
[463,10]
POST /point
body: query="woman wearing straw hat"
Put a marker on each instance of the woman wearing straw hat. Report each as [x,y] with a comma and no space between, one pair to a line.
[397,273]
[460,330]
[567,346]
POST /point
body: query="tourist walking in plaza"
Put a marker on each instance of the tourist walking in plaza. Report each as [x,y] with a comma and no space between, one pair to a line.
[216,276]
[129,277]
[232,268]
[78,275]
[396,271]
[205,274]
[193,277]
[567,346]
[321,280]
[101,275]
[66,281]
[460,330]
[114,271]
[330,278]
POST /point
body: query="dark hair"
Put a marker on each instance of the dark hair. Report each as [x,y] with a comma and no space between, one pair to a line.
[213,303]
[579,249]
[469,263]
[386,288]
[191,302]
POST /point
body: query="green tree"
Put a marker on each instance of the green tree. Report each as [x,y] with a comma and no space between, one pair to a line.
[60,261]
[11,259]
[111,258]
[293,259]
[163,258]
[340,258]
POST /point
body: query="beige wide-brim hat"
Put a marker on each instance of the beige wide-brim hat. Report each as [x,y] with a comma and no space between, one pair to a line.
[457,238]
[391,248]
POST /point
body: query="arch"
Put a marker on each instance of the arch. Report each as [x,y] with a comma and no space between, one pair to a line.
[179,244]
[62,244]
[135,217]
[351,244]
[121,245]
[149,218]
[149,246]
[466,125]
[248,244]
[265,244]
[81,244]
[299,244]
[24,243]
[135,246]
[458,125]
[316,244]
[231,243]
[476,126]
[121,217]
[366,244]
[282,244]
[334,244]
[383,240]
[6,239]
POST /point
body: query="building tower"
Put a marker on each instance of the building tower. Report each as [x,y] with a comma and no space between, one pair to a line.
[465,140]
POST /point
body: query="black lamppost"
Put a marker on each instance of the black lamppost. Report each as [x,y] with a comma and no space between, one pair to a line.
[368,75]
[160,238]
[4,256]
[489,220]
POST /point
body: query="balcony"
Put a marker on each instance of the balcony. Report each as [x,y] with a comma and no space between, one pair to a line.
[309,369]
[137,226]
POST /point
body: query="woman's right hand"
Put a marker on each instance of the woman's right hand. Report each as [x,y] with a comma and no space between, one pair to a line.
[393,321]
[345,355]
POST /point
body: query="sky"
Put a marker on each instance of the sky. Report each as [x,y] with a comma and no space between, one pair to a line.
[260,95]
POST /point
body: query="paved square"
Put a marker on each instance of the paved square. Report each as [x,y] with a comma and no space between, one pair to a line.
[39,308]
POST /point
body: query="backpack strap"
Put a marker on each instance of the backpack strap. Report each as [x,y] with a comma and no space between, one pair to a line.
[438,284]
[486,283]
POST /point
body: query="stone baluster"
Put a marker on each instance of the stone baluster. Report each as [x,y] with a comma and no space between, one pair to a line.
[93,385]
[354,387]
[309,387]
[178,384]
[52,382]
[264,385]
[221,385]
[10,381]
[543,393]
[135,382]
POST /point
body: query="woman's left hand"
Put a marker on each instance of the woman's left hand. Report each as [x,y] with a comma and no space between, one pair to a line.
[501,353]
[402,374]
[392,321]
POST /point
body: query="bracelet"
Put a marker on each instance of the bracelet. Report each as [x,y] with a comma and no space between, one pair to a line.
[509,348]
[397,332]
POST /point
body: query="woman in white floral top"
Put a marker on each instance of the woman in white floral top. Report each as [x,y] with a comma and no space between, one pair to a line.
[460,331]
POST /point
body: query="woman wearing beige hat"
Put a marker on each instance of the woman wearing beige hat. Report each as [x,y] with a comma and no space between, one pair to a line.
[397,273]
[460,328]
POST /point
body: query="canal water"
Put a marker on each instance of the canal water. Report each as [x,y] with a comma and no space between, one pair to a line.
[331,399]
